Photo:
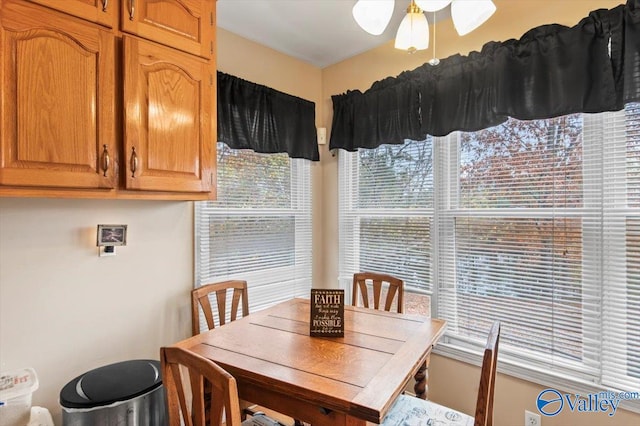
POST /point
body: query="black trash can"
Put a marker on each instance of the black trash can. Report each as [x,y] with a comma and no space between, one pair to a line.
[126,393]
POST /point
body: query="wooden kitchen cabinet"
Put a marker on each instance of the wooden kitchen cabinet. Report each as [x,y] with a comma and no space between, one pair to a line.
[57,101]
[103,12]
[168,103]
[182,24]
[89,111]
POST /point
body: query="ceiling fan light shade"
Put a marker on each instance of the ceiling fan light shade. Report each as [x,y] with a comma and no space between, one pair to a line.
[432,5]
[413,32]
[373,16]
[468,15]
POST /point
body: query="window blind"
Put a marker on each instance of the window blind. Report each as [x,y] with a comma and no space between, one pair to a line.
[540,230]
[516,232]
[386,209]
[621,249]
[535,223]
[259,228]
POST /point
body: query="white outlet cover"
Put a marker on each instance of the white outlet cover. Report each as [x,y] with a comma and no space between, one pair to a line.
[532,419]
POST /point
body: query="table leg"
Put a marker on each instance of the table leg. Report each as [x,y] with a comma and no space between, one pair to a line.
[421,388]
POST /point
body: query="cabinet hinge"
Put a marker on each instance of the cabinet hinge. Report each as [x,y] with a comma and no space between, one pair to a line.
[211,47]
[211,19]
[211,179]
[211,80]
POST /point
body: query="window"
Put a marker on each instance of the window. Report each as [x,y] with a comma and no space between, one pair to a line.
[386,216]
[535,223]
[517,226]
[259,228]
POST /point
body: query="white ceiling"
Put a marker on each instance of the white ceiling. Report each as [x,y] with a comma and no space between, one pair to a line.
[320,32]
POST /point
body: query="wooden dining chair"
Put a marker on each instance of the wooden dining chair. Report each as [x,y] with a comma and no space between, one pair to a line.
[411,410]
[185,376]
[200,298]
[395,287]
[185,373]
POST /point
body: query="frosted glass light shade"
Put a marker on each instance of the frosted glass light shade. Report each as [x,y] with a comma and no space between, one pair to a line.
[373,16]
[470,14]
[413,32]
[432,5]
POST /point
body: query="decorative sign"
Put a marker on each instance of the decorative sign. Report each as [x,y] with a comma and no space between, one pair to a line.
[327,313]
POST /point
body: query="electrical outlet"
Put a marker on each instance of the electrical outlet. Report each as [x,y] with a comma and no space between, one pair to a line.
[531,419]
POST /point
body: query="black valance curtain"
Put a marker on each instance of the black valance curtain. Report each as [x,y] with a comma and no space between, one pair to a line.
[252,116]
[550,71]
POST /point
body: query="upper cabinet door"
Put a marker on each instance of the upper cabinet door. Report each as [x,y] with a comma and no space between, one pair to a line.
[183,24]
[103,12]
[168,119]
[57,106]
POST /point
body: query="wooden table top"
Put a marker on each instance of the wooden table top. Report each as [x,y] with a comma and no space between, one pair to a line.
[356,377]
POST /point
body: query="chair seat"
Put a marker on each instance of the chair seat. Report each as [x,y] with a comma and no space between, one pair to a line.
[412,411]
[261,419]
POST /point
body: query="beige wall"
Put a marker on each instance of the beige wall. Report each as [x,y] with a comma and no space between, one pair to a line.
[451,382]
[64,310]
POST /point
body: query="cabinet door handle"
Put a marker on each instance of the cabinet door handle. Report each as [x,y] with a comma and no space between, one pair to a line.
[105,161]
[105,3]
[132,9]
[133,162]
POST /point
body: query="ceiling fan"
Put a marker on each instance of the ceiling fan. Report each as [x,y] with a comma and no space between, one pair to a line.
[373,16]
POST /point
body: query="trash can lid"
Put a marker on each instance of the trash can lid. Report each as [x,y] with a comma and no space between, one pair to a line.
[112,383]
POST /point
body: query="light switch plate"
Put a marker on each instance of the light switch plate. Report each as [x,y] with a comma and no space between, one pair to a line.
[322,135]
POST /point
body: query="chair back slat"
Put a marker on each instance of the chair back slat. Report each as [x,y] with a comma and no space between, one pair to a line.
[391,294]
[235,302]
[221,301]
[197,389]
[205,304]
[395,290]
[377,291]
[178,403]
[484,406]
[200,299]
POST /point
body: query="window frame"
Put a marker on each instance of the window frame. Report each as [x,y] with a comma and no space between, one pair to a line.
[596,127]
[265,285]
[350,216]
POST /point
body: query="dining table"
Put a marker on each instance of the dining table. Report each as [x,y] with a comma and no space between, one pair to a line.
[349,380]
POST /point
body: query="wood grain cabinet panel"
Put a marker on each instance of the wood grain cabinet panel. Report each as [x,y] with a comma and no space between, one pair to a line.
[168,118]
[103,12]
[57,101]
[182,24]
